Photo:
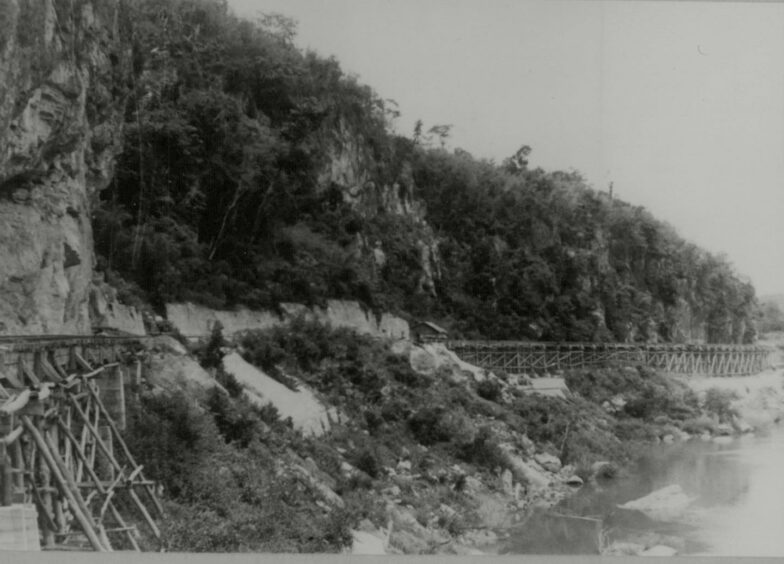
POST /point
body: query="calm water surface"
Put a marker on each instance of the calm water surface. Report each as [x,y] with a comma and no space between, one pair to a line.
[738,508]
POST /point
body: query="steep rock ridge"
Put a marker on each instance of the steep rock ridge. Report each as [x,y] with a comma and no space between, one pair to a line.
[350,169]
[59,125]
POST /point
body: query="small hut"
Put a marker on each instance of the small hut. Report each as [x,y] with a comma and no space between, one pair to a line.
[428,332]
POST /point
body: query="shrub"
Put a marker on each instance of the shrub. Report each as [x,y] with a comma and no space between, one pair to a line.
[229,382]
[431,425]
[634,430]
[212,354]
[719,403]
[484,451]
[237,419]
[369,463]
[374,420]
[490,390]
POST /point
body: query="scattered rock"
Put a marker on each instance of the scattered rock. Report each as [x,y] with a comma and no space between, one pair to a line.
[574,480]
[347,470]
[567,470]
[526,472]
[404,466]
[393,491]
[526,444]
[317,486]
[473,485]
[623,549]
[507,482]
[548,462]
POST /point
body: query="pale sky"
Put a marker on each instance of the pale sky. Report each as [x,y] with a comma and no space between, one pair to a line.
[681,105]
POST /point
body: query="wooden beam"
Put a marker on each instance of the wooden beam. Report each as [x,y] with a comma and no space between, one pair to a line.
[124,447]
[140,506]
[96,483]
[68,490]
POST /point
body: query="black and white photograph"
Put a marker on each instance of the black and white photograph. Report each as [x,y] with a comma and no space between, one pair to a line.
[450,278]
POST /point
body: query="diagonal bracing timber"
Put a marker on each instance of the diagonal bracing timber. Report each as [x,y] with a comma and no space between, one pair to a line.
[61,449]
[522,357]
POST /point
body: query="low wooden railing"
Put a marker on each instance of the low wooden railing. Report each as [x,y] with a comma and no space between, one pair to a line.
[523,357]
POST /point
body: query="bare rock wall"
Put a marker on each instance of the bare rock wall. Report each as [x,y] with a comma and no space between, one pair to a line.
[59,133]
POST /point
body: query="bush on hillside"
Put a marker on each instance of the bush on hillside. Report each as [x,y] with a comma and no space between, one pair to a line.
[225,497]
[646,393]
[718,402]
[490,390]
[441,424]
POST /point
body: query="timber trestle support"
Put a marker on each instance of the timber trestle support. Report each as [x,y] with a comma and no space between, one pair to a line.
[529,357]
[62,411]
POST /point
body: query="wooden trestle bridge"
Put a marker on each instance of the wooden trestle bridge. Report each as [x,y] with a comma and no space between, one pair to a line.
[525,357]
[65,471]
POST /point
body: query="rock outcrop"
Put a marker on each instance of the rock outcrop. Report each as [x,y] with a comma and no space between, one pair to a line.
[106,311]
[305,410]
[348,168]
[60,65]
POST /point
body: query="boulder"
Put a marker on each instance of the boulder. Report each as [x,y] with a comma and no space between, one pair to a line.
[526,472]
[659,550]
[367,543]
[548,462]
[663,504]
[404,466]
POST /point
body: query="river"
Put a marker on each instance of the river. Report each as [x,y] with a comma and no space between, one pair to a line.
[737,509]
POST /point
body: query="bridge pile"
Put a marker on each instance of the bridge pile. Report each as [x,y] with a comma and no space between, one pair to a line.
[61,451]
[525,357]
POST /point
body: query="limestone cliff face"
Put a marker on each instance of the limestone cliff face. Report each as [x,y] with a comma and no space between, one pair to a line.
[349,167]
[60,67]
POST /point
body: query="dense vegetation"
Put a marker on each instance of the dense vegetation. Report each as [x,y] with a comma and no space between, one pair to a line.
[223,195]
[228,466]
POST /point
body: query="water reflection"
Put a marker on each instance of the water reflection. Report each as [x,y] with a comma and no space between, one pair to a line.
[738,509]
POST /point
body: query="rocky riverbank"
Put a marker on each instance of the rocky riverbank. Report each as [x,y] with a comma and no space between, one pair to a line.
[406,449]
